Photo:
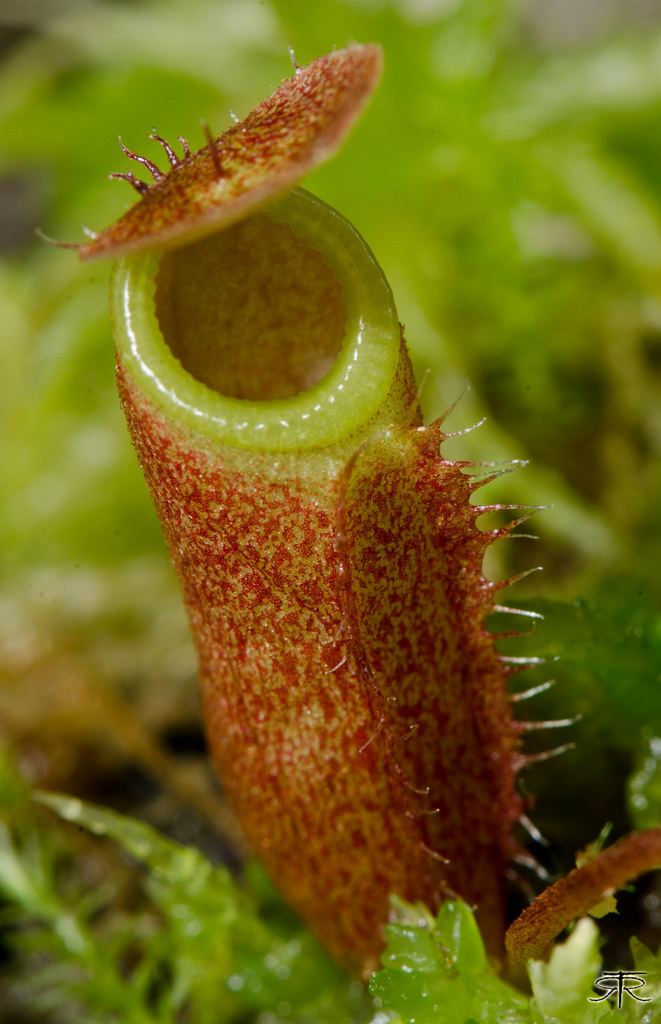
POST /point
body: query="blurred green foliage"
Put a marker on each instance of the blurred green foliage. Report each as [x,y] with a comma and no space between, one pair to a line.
[194,947]
[602,655]
[512,193]
[199,948]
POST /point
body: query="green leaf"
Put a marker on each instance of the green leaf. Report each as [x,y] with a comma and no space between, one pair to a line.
[436,971]
[563,986]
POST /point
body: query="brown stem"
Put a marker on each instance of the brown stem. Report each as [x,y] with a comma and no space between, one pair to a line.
[531,934]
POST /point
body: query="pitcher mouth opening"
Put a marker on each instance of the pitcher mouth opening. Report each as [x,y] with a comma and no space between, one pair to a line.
[253,312]
[277,333]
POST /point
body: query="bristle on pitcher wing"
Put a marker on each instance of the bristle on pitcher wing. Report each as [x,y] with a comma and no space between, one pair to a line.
[416,604]
[302,124]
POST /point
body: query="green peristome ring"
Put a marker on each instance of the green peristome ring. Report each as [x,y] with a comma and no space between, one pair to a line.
[346,398]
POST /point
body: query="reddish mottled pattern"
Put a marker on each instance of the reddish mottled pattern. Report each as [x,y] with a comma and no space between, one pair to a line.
[315,662]
[298,127]
[418,601]
[582,889]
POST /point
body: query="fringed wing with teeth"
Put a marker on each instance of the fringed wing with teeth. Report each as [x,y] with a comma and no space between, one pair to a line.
[416,607]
